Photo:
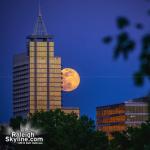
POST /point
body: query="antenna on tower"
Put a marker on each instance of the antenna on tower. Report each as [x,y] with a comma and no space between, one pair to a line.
[40,28]
[40,14]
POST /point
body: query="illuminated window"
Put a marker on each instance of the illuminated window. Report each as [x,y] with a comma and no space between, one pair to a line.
[31,84]
[55,84]
[31,102]
[31,59]
[44,75]
[31,65]
[57,103]
[42,66]
[41,44]
[42,54]
[41,49]
[31,79]
[41,79]
[32,43]
[31,54]
[55,71]
[55,60]
[41,60]
[55,93]
[55,88]
[41,84]
[51,54]
[55,75]
[55,66]
[41,70]
[58,98]
[51,44]
[32,88]
[31,106]
[43,98]
[55,80]
[42,89]
[51,49]
[42,93]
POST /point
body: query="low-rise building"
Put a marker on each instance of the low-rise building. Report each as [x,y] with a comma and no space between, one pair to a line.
[118,117]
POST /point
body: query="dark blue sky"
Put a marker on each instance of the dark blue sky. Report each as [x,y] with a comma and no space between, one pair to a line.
[78,26]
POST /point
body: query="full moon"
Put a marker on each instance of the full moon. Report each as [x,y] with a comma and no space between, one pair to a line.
[70,79]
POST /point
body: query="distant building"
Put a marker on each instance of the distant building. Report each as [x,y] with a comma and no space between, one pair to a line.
[117,117]
[69,110]
[20,84]
[37,77]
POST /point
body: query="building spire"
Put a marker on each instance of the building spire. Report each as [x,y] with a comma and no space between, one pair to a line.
[40,14]
[40,28]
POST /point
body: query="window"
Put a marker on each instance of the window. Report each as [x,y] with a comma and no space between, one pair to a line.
[31,53]
[55,66]
[31,102]
[55,75]
[41,93]
[41,79]
[31,43]
[31,59]
[44,75]
[41,60]
[41,70]
[56,103]
[58,98]
[51,44]
[41,49]
[55,88]
[55,84]
[42,44]
[42,89]
[51,54]
[42,66]
[41,84]
[43,98]
[51,49]
[31,106]
[31,65]
[55,80]
[55,70]
[55,93]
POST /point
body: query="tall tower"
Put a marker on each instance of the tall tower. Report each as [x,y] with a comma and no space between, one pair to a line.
[44,70]
[37,75]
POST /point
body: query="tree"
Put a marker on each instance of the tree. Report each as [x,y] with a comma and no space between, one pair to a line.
[64,132]
[126,45]
[133,139]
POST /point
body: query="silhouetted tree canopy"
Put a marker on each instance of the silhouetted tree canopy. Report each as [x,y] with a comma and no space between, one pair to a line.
[68,132]
[63,132]
[132,139]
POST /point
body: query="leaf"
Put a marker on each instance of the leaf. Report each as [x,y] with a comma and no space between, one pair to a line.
[107,39]
[122,22]
[124,45]
[138,78]
[139,26]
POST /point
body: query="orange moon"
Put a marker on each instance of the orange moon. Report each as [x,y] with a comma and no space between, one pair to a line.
[70,79]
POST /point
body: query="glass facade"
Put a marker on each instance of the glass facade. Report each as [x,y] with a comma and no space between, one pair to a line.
[45,76]
[137,113]
[117,117]
[37,78]
[111,118]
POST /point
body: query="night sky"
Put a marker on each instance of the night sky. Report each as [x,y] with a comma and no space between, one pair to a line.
[78,27]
